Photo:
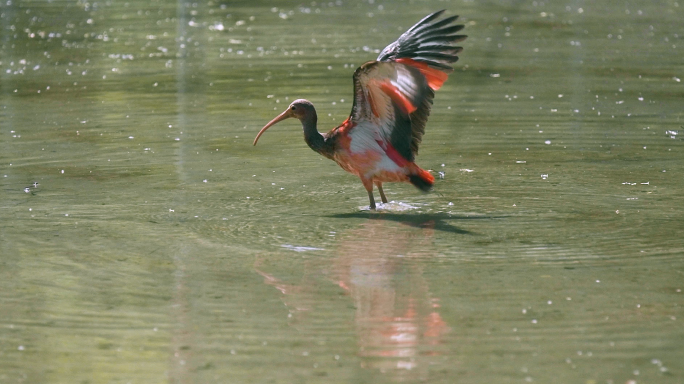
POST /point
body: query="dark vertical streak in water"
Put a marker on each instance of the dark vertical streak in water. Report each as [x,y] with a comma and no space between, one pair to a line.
[574,69]
[190,104]
[181,64]
[6,125]
[181,327]
[8,14]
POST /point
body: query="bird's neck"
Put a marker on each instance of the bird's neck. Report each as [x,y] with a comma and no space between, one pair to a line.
[313,138]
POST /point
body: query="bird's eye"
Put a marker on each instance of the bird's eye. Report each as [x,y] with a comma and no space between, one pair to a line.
[293,108]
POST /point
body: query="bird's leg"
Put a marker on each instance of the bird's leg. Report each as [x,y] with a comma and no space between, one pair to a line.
[372,200]
[368,184]
[382,193]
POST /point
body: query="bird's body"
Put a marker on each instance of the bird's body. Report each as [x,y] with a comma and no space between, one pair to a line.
[392,100]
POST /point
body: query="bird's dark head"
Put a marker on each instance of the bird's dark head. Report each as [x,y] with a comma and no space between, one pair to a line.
[300,109]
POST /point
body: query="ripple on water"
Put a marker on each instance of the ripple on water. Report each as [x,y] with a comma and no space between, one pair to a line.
[301,248]
[392,206]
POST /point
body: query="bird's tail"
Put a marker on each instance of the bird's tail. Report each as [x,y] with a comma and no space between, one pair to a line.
[422,179]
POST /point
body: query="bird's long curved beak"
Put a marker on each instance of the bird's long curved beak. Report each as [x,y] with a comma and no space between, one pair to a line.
[285,115]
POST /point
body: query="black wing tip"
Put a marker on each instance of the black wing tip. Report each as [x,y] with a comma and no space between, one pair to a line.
[431,40]
[425,20]
[459,38]
[438,13]
[435,14]
[421,183]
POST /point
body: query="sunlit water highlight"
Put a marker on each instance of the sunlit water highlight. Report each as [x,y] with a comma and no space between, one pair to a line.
[392,206]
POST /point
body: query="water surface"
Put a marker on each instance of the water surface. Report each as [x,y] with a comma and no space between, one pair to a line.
[144,239]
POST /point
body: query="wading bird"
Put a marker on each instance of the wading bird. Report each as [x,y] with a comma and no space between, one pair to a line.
[379,141]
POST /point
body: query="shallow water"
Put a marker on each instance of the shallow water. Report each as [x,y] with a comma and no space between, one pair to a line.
[144,239]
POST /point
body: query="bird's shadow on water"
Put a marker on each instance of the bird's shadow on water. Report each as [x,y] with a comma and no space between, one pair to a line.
[439,221]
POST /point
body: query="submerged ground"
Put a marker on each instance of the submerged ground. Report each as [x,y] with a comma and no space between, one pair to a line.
[143,239]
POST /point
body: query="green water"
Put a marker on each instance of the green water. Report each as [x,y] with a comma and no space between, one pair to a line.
[143,238]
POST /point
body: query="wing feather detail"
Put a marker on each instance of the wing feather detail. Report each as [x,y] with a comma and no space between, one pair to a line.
[393,95]
[430,41]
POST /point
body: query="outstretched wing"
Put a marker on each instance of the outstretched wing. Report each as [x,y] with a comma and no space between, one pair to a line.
[393,95]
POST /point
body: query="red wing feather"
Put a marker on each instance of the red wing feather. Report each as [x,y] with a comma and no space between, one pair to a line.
[434,76]
[398,97]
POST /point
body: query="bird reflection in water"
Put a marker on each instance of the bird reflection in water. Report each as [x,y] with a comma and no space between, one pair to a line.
[398,326]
